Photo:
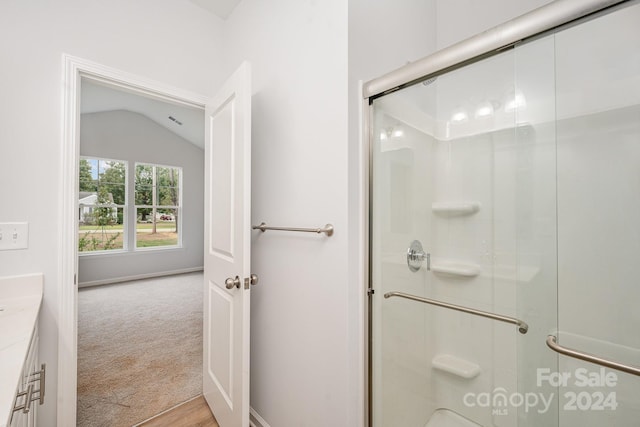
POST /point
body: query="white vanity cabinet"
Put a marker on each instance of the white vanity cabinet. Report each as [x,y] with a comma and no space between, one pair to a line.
[31,390]
[22,376]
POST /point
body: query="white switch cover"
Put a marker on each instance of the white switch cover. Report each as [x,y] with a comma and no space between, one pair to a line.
[14,235]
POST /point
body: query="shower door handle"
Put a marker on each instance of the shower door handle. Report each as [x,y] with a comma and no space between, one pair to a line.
[552,343]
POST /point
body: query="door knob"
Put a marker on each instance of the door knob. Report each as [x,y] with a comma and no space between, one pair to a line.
[253,279]
[232,283]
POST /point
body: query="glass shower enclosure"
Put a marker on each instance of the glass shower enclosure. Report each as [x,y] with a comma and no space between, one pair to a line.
[504,230]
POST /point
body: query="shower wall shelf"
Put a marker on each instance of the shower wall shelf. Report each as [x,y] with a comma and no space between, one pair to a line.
[455,269]
[456,366]
[455,208]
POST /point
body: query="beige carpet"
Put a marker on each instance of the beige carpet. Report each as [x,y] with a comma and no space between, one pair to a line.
[139,349]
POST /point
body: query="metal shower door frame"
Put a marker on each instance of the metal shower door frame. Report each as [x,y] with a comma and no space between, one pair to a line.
[550,17]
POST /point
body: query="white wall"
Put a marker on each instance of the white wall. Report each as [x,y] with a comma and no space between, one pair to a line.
[299,357]
[166,40]
[132,137]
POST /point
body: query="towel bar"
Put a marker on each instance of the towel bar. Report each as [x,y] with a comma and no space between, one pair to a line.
[327,229]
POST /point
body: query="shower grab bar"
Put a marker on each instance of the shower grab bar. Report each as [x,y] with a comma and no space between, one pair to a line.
[522,326]
[327,229]
[552,343]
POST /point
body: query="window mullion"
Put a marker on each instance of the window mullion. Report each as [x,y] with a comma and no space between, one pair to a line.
[154,195]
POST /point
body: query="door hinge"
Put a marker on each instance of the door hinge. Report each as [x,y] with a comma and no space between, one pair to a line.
[370,291]
[75,279]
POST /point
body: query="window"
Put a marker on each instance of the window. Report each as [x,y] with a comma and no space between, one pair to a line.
[157,199]
[102,205]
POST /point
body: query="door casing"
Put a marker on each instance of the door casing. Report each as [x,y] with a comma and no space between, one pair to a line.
[74,70]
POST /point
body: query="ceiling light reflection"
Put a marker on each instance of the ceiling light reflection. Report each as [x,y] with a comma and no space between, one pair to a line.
[515,100]
[485,109]
[459,115]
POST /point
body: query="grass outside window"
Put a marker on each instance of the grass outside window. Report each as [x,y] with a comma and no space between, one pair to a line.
[157,198]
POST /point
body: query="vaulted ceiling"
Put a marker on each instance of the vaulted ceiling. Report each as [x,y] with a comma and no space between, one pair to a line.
[186,122]
[221,8]
[181,120]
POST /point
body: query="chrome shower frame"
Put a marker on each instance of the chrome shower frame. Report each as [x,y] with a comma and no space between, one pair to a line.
[551,17]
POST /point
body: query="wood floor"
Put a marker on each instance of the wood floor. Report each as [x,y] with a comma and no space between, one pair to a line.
[194,413]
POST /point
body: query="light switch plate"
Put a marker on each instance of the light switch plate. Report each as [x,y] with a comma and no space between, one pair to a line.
[14,235]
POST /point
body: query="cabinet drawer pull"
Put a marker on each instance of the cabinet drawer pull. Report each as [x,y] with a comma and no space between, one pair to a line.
[26,403]
[41,376]
[27,399]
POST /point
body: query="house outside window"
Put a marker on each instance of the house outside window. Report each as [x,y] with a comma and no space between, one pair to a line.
[158,192]
[102,205]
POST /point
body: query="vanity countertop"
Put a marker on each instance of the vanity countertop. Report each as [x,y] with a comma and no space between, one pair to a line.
[20,299]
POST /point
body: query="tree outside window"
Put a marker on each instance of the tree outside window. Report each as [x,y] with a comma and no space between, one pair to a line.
[157,200]
[101,205]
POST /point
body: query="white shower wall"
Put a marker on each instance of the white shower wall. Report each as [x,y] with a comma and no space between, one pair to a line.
[554,240]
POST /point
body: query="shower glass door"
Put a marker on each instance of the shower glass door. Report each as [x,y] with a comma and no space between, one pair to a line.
[598,185]
[509,187]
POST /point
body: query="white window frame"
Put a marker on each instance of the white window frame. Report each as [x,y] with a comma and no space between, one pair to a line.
[178,208]
[125,209]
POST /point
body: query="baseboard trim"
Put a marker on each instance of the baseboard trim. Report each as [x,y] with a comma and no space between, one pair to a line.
[138,277]
[256,420]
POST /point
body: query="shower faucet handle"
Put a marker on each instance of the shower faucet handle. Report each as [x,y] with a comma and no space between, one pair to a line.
[416,256]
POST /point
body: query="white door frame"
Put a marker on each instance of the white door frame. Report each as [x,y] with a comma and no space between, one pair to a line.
[74,69]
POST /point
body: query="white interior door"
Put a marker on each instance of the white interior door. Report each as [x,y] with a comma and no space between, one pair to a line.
[227,250]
